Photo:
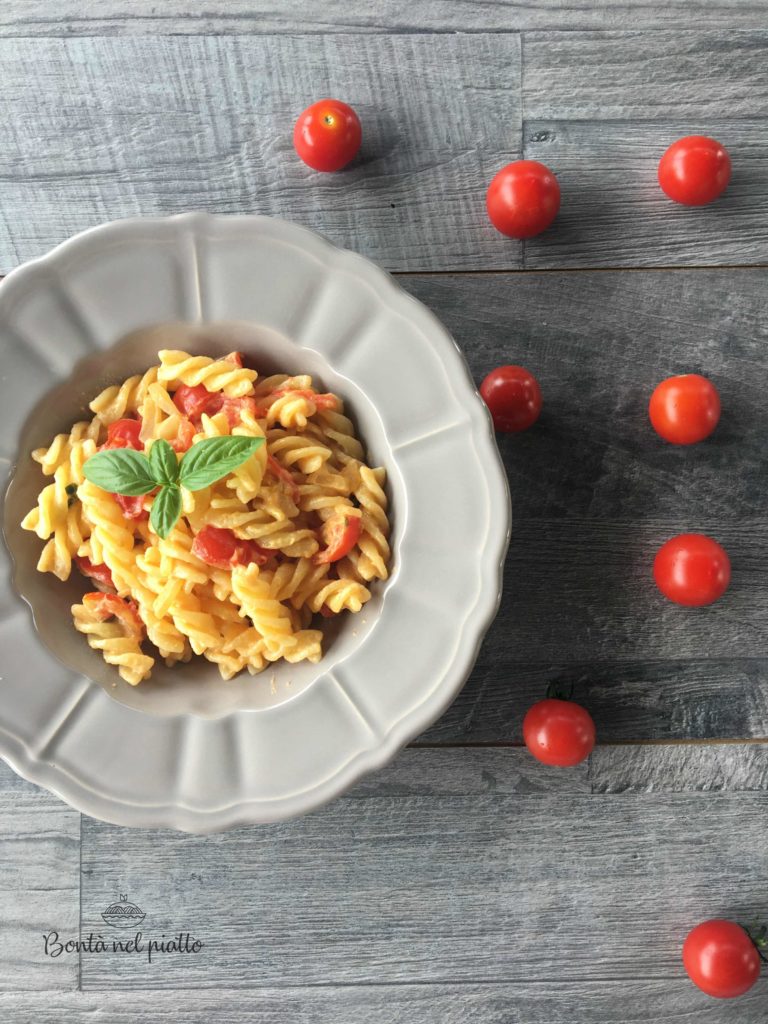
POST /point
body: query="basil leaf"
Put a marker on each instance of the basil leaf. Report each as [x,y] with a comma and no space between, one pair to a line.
[120,471]
[163,462]
[211,459]
[166,509]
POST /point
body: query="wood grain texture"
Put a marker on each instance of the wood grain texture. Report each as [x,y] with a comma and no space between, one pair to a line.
[601,108]
[712,768]
[414,886]
[608,76]
[98,128]
[648,1002]
[39,884]
[595,492]
[614,213]
[146,17]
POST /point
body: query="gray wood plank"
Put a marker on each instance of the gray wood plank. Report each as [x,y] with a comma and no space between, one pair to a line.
[146,17]
[604,76]
[613,212]
[711,768]
[681,699]
[413,887]
[600,1002]
[98,128]
[595,492]
[39,884]
[601,108]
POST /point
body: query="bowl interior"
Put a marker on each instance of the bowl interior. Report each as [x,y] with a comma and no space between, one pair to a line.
[195,688]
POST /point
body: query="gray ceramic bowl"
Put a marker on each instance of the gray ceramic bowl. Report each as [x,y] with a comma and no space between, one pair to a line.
[186,749]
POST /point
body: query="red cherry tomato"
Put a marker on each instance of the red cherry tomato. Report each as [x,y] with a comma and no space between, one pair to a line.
[513,395]
[695,170]
[124,434]
[721,959]
[559,732]
[132,507]
[327,135]
[684,409]
[523,199]
[692,570]
[340,533]
[222,549]
[100,573]
[108,606]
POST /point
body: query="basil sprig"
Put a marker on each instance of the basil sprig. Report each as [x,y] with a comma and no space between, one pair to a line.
[125,471]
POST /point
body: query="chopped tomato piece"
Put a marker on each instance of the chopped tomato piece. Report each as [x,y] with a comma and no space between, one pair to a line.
[108,606]
[282,474]
[132,508]
[99,573]
[233,408]
[124,434]
[222,549]
[340,534]
[194,401]
[326,612]
[324,401]
[183,440]
[234,357]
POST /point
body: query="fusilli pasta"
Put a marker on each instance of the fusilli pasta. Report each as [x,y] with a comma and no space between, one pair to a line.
[297,530]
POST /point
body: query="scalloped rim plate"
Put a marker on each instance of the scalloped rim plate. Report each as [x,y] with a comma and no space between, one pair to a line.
[197,773]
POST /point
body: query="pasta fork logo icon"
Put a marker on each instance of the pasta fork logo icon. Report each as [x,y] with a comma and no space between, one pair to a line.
[123,914]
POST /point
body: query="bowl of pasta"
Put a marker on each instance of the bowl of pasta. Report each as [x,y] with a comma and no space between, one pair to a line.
[254,524]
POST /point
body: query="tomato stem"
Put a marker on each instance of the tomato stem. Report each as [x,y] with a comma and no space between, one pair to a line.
[558,689]
[759,936]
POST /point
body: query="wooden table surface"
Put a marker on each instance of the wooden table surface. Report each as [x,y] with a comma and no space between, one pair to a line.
[465,882]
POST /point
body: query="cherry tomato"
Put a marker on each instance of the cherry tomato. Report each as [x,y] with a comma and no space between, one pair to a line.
[559,732]
[523,199]
[694,170]
[684,409]
[721,959]
[327,135]
[132,508]
[124,434]
[108,606]
[692,570]
[100,573]
[340,533]
[513,395]
[222,549]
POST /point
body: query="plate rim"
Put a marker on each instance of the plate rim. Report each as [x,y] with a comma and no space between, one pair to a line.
[119,811]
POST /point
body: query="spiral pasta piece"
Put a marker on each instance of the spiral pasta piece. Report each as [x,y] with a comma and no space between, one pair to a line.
[114,402]
[269,617]
[215,374]
[339,596]
[122,651]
